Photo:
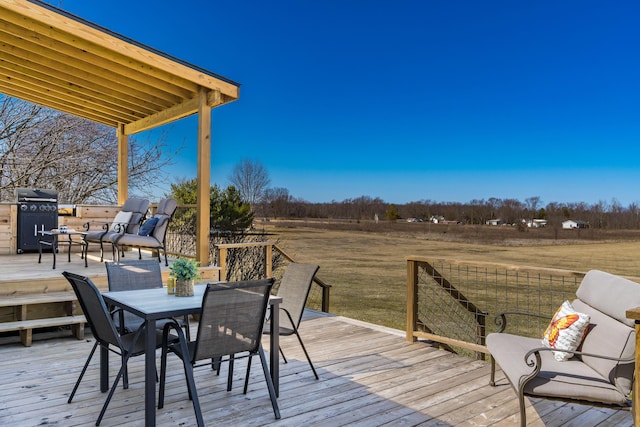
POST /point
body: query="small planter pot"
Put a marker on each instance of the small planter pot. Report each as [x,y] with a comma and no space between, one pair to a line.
[184,288]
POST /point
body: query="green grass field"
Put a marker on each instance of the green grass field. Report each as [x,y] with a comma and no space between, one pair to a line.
[366,264]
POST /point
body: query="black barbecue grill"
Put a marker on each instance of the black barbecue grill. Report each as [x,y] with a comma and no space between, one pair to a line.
[37,211]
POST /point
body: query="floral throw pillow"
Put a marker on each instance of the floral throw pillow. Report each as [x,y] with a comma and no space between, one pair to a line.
[566,331]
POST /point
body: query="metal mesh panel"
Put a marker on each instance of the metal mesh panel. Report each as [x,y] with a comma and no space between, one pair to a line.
[455,299]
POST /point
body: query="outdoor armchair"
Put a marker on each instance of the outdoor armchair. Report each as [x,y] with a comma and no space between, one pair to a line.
[601,368]
[127,220]
[152,234]
[105,333]
[132,275]
[230,325]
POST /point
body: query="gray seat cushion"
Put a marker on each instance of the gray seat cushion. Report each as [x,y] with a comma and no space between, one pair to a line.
[571,379]
[139,241]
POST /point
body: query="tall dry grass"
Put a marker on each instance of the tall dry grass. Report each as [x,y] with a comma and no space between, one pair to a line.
[366,264]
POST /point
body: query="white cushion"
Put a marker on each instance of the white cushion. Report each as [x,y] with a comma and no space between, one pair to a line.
[566,330]
[120,221]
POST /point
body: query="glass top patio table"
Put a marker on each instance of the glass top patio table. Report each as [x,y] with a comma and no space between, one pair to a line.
[155,304]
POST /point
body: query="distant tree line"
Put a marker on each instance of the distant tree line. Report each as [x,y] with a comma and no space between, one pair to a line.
[278,203]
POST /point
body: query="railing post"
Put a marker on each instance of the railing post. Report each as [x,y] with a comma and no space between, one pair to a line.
[222,260]
[412,299]
[634,314]
[268,260]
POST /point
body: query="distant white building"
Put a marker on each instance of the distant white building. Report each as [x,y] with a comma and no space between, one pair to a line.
[570,223]
[497,221]
[537,223]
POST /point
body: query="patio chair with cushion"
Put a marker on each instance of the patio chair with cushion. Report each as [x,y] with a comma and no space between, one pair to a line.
[230,325]
[105,333]
[587,352]
[132,275]
[152,233]
[128,220]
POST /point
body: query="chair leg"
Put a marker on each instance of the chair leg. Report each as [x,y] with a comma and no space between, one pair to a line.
[216,364]
[230,374]
[163,375]
[246,378]
[121,372]
[305,353]
[191,385]
[84,369]
[267,377]
[523,414]
[492,380]
[282,354]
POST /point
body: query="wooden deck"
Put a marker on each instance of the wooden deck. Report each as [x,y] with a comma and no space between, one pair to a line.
[369,376]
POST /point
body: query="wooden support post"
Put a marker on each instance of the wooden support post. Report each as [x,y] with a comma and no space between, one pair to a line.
[268,261]
[412,299]
[123,164]
[222,260]
[203,214]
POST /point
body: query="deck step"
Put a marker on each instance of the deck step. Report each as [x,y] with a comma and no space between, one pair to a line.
[26,327]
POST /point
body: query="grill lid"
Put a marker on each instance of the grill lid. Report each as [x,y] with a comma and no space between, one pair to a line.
[36,195]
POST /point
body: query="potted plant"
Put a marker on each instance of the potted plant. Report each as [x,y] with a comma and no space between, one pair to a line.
[185,271]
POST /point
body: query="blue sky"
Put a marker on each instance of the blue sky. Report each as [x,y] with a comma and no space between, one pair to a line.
[410,100]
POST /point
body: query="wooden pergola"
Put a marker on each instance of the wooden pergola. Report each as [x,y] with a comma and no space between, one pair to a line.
[58,60]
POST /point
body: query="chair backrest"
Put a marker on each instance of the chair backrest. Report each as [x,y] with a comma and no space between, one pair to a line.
[94,309]
[231,319]
[606,298]
[138,208]
[130,275]
[294,290]
[135,274]
[166,209]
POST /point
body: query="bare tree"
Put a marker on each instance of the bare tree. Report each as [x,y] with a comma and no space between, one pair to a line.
[251,179]
[40,147]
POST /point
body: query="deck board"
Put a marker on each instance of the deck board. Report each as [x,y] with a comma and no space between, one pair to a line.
[369,376]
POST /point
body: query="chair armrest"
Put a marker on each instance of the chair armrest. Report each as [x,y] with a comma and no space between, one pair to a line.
[103,225]
[536,352]
[500,320]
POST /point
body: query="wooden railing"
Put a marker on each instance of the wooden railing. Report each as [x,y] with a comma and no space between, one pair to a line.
[222,251]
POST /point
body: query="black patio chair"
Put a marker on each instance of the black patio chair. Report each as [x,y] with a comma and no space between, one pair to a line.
[230,326]
[294,289]
[132,275]
[105,333]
